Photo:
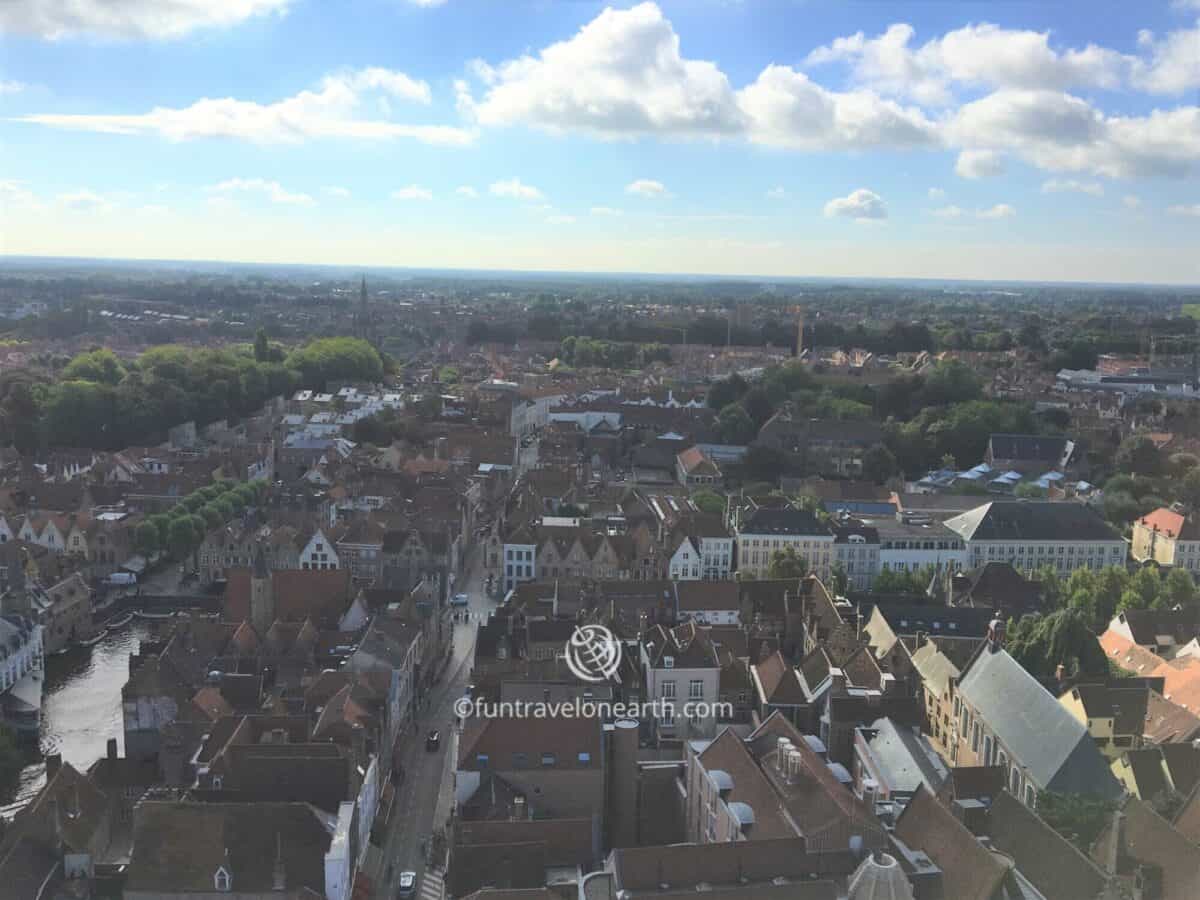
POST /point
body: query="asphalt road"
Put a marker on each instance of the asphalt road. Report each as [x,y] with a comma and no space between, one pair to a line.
[423,799]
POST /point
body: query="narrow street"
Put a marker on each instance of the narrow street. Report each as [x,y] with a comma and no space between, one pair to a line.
[424,798]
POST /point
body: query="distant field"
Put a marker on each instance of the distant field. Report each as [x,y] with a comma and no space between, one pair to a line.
[1192,309]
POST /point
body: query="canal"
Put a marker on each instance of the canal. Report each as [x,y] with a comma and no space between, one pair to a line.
[81,705]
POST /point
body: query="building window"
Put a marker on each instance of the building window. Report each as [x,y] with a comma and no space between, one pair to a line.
[668,690]
[222,881]
[549,760]
[696,689]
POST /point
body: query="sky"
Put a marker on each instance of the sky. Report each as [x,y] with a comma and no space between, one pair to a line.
[992,140]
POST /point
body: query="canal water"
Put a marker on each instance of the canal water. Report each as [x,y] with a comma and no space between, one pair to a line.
[81,705]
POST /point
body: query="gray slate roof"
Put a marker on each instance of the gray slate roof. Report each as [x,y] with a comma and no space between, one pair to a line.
[1038,731]
[1031,520]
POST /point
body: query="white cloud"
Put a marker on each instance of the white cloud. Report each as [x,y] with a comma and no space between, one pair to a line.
[327,112]
[1070,185]
[425,4]
[515,189]
[936,193]
[979,164]
[647,187]
[999,211]
[975,55]
[605,211]
[1174,64]
[11,87]
[413,192]
[560,220]
[155,19]
[785,109]
[152,209]
[15,195]
[334,190]
[84,200]
[621,75]
[1131,201]
[1181,210]
[860,204]
[272,190]
[1062,133]
[777,193]
[465,190]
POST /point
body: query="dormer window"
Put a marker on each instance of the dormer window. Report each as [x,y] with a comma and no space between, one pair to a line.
[222,880]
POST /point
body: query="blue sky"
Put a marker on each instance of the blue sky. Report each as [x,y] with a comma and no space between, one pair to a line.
[1055,141]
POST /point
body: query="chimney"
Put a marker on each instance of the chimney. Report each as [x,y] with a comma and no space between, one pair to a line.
[111,748]
[53,764]
[995,634]
[837,686]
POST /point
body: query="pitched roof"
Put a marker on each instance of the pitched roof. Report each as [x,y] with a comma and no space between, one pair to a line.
[1040,732]
[700,596]
[1052,863]
[969,870]
[1167,721]
[321,595]
[1032,520]
[1042,448]
[784,521]
[178,846]
[1171,524]
[1147,838]
[907,759]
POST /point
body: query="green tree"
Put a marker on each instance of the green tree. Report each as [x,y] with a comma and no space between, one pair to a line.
[1142,591]
[1027,490]
[758,406]
[879,464]
[262,349]
[735,426]
[1139,455]
[181,537]
[709,502]
[1178,589]
[840,578]
[1042,643]
[146,539]
[764,464]
[787,563]
[1077,817]
[98,365]
[726,391]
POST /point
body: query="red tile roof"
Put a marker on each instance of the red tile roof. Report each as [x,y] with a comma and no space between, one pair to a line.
[1165,521]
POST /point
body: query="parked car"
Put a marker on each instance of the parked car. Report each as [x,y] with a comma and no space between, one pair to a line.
[433,741]
[407,886]
[460,600]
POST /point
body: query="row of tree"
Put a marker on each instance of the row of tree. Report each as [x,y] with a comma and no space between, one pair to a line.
[586,352]
[107,403]
[180,531]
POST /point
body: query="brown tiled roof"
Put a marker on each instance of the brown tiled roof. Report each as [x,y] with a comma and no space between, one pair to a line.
[178,846]
[1150,839]
[1167,721]
[299,594]
[728,753]
[1187,820]
[733,866]
[500,738]
[779,682]
[1054,865]
[969,870]
[702,596]
[567,842]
